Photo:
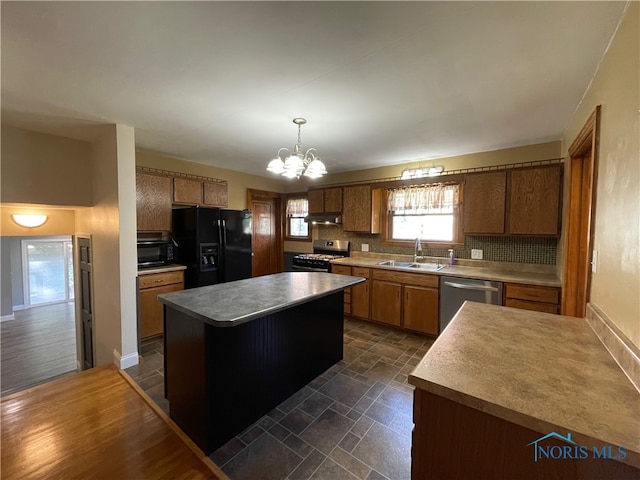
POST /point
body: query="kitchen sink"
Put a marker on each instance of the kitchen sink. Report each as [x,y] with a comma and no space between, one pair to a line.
[393,263]
[429,267]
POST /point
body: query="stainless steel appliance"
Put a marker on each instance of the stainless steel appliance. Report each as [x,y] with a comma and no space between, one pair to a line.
[214,244]
[323,252]
[155,253]
[455,291]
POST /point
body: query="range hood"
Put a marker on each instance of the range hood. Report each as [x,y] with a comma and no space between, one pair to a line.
[324,218]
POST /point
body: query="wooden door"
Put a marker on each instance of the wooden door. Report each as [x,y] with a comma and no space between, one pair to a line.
[267,232]
[187,191]
[215,194]
[86,300]
[386,303]
[360,300]
[484,203]
[578,244]
[333,200]
[421,309]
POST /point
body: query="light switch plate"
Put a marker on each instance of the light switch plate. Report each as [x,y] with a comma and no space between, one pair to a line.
[476,254]
[594,261]
[365,247]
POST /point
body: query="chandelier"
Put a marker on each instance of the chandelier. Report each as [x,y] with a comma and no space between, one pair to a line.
[298,163]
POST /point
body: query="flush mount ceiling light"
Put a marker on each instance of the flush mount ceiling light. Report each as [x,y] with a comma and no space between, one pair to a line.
[409,173]
[29,220]
[298,164]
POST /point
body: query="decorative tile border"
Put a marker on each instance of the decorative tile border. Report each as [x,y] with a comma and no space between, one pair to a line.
[625,353]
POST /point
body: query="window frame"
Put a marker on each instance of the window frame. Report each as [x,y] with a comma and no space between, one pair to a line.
[287,225]
[387,234]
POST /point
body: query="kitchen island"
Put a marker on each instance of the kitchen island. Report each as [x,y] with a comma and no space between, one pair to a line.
[507,393]
[235,350]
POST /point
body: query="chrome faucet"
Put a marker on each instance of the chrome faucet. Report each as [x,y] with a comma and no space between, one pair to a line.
[417,248]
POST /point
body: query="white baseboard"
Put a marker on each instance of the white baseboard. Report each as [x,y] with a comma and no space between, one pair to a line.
[125,362]
[17,308]
[5,318]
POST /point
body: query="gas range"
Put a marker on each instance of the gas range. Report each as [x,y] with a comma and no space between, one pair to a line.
[323,252]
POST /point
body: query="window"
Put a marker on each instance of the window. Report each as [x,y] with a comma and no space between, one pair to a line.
[297,209]
[428,212]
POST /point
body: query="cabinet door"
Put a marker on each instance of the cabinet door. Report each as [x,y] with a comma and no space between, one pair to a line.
[361,209]
[484,203]
[153,202]
[333,200]
[344,270]
[534,201]
[151,312]
[386,302]
[360,300]
[214,194]
[316,201]
[421,309]
[187,191]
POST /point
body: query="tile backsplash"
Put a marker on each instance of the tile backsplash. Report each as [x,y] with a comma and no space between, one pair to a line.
[538,250]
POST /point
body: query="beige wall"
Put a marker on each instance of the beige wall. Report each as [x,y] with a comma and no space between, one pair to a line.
[44,169]
[59,221]
[615,287]
[111,223]
[528,153]
[238,182]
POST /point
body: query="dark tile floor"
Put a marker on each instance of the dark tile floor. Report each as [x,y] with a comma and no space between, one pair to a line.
[352,422]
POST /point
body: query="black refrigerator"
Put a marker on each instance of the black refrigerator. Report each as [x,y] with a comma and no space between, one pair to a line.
[214,244]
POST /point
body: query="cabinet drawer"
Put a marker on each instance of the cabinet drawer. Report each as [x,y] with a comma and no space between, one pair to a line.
[421,279]
[158,279]
[360,272]
[535,306]
[532,293]
[341,269]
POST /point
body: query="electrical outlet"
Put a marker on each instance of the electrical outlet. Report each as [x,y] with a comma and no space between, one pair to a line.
[476,254]
[365,247]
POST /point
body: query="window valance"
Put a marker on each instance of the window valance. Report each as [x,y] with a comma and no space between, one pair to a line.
[423,199]
[297,207]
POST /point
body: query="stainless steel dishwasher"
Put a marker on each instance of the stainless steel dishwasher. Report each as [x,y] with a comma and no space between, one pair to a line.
[455,291]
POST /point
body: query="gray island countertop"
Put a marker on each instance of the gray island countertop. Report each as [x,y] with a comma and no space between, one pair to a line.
[234,303]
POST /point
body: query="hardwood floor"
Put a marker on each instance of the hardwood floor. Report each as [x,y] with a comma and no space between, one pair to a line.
[95,424]
[39,345]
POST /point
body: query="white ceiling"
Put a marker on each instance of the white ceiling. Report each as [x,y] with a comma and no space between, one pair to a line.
[380,83]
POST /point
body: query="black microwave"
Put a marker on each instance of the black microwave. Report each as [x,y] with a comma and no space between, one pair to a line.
[154,253]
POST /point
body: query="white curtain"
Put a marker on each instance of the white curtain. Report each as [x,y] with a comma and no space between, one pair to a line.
[297,207]
[423,199]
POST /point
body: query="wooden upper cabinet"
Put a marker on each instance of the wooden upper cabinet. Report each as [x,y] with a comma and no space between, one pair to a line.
[153,202]
[327,200]
[534,201]
[333,200]
[215,194]
[187,191]
[316,201]
[484,203]
[361,209]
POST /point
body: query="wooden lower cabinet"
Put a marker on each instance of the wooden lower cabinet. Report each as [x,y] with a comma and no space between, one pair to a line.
[360,295]
[421,309]
[151,311]
[386,302]
[532,297]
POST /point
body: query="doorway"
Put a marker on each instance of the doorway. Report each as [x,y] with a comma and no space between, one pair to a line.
[267,231]
[583,162]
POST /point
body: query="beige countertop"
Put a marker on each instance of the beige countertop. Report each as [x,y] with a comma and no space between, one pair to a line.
[500,272]
[163,269]
[541,371]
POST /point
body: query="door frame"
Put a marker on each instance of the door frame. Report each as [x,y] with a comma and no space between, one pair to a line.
[579,217]
[254,195]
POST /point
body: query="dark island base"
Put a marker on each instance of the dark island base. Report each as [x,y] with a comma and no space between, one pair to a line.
[220,380]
